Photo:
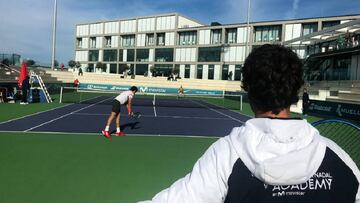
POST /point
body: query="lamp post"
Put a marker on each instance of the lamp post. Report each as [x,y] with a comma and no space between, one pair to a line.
[247,28]
[54,36]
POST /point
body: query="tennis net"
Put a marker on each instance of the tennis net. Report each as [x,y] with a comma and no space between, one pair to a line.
[90,96]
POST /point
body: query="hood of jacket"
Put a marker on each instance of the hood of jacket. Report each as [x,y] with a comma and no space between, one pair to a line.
[280,151]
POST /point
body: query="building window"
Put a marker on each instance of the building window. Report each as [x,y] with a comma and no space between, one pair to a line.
[79,42]
[92,42]
[130,55]
[225,72]
[211,72]
[327,24]
[121,55]
[231,35]
[160,39]
[237,75]
[164,55]
[93,55]
[199,71]
[142,55]
[308,28]
[209,54]
[110,55]
[141,69]
[128,40]
[216,36]
[187,38]
[187,71]
[268,33]
[150,40]
[107,41]
[163,70]
[113,68]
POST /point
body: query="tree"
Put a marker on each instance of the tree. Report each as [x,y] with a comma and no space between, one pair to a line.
[78,65]
[101,66]
[72,63]
[30,62]
[5,61]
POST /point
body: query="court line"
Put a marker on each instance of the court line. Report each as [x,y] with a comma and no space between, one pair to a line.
[63,116]
[155,111]
[151,116]
[224,114]
[14,119]
[127,135]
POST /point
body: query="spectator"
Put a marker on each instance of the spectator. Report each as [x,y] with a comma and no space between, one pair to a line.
[230,75]
[80,73]
[76,83]
[305,103]
[25,88]
[272,157]
[62,67]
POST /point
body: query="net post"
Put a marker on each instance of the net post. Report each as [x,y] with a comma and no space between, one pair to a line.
[154,100]
[241,102]
[61,94]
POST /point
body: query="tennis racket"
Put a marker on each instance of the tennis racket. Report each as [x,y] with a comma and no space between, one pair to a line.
[135,115]
[344,133]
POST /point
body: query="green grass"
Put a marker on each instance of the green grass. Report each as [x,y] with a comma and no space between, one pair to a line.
[84,168]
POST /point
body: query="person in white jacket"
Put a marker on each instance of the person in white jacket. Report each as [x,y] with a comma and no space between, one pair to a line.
[272,157]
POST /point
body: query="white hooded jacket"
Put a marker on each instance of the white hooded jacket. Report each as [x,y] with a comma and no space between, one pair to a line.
[288,155]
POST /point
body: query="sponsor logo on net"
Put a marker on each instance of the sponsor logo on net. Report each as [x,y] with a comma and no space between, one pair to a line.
[320,107]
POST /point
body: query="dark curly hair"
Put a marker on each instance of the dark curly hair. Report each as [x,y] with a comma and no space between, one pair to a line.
[272,76]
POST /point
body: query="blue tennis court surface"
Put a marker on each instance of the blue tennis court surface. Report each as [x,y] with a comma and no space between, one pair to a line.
[201,119]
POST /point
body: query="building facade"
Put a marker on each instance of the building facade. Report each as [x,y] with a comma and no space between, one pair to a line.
[168,43]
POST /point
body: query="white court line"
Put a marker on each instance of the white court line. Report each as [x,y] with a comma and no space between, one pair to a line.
[155,111]
[127,135]
[63,116]
[151,116]
[14,119]
[235,119]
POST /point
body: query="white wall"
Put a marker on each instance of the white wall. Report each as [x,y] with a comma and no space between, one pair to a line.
[185,55]
[127,26]
[81,55]
[85,43]
[99,41]
[124,55]
[241,35]
[182,71]
[146,24]
[217,72]
[204,37]
[151,55]
[101,55]
[292,31]
[111,27]
[169,38]
[235,54]
[96,29]
[205,72]
[165,23]
[82,30]
[192,71]
[114,41]
[141,38]
[185,22]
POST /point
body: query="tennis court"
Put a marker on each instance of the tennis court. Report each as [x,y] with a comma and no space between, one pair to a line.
[188,116]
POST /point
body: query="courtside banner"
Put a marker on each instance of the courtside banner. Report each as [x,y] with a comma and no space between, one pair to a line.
[343,110]
[155,90]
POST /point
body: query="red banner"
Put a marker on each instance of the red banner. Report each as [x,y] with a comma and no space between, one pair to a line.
[23,74]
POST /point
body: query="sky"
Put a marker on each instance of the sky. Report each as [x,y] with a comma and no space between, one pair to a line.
[26,25]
